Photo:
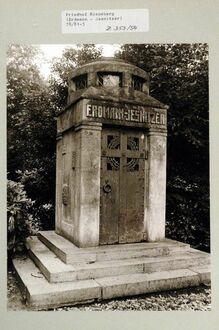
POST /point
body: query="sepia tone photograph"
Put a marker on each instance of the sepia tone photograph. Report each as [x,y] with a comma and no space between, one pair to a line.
[108,177]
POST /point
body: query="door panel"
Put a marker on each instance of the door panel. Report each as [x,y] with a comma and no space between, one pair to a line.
[122,186]
[110,183]
[132,218]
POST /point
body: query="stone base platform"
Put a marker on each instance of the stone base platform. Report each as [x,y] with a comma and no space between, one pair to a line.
[58,273]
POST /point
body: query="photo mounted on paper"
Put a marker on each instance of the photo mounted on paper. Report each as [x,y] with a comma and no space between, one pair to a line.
[108,175]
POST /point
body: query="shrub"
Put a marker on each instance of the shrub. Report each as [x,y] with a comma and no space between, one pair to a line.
[39,188]
[19,217]
[188,212]
[46,215]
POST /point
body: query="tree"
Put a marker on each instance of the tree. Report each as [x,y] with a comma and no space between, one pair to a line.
[31,127]
[179,78]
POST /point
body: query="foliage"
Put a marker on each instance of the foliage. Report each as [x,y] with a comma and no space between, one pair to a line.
[20,219]
[31,126]
[34,182]
[188,212]
[33,104]
[179,78]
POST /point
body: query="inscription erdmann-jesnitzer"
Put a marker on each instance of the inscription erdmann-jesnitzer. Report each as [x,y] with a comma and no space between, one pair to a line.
[139,115]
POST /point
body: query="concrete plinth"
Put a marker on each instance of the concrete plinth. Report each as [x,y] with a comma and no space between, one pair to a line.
[58,273]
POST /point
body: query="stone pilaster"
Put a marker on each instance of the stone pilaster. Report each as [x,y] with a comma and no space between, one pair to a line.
[155,193]
[87,190]
[58,213]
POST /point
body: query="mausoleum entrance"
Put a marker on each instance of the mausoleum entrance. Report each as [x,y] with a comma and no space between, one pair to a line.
[123,154]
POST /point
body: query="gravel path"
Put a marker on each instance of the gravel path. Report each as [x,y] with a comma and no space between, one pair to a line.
[195,299]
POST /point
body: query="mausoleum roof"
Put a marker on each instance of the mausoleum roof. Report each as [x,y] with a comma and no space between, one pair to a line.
[111,80]
[102,94]
[109,64]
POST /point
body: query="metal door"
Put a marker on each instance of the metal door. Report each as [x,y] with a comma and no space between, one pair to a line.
[122,186]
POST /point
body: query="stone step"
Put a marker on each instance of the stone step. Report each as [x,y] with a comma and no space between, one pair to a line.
[57,244]
[57,271]
[49,264]
[204,273]
[126,285]
[69,253]
[140,265]
[41,294]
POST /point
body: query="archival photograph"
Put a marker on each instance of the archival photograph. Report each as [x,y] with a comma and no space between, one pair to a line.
[108,177]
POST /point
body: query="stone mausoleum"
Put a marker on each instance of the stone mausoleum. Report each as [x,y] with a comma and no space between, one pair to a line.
[110,197]
[111,158]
